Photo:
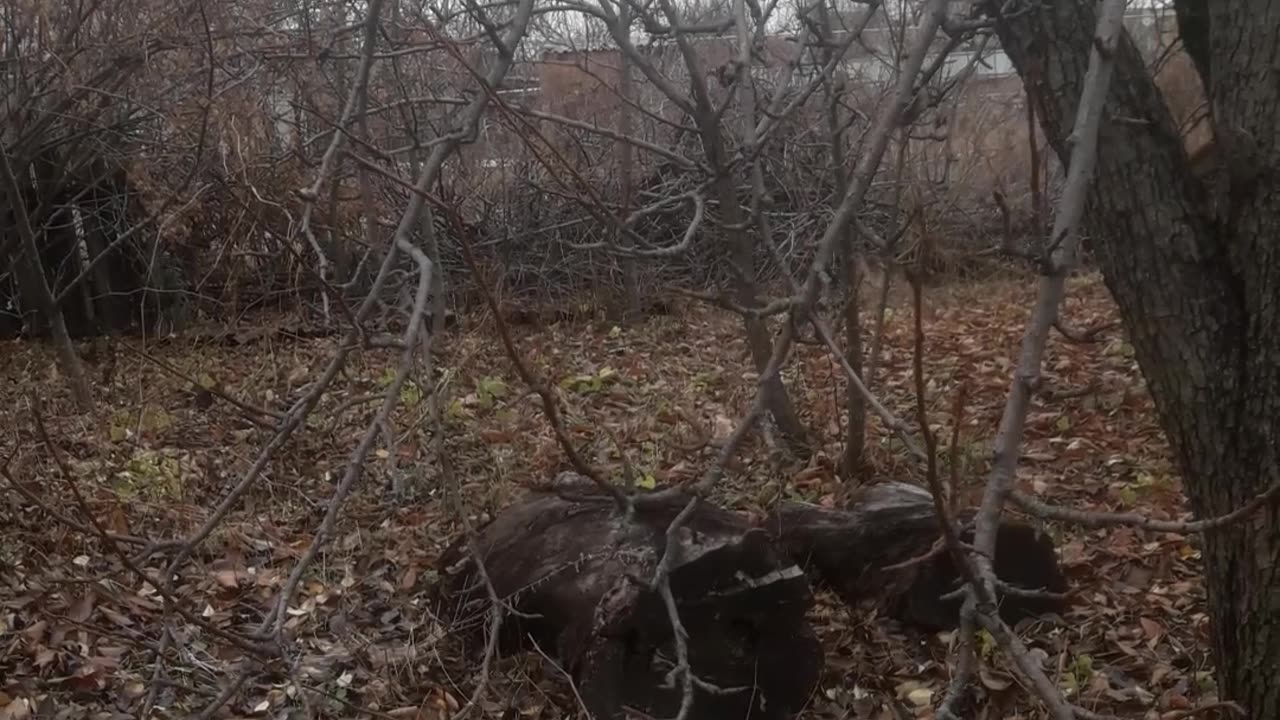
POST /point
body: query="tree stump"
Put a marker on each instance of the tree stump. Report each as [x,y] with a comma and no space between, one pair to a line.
[576,571]
[851,551]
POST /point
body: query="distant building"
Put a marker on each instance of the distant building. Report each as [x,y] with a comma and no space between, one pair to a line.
[582,85]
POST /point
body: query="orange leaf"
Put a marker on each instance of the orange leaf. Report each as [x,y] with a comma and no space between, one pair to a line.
[499,437]
[409,578]
[1152,628]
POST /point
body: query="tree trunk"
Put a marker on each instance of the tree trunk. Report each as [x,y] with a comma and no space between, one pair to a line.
[870,551]
[632,310]
[578,572]
[113,313]
[36,287]
[855,440]
[759,341]
[855,435]
[1197,282]
[339,250]
[734,219]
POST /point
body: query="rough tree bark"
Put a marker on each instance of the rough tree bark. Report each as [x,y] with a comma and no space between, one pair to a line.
[746,294]
[883,547]
[734,219]
[577,573]
[1195,271]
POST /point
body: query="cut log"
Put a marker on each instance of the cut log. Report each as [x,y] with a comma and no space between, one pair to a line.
[851,552]
[577,572]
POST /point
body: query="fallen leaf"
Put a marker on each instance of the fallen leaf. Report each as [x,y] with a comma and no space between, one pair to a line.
[495,437]
[118,522]
[83,609]
[1152,629]
[920,697]
[34,632]
[722,428]
[409,577]
[19,709]
[87,679]
[44,656]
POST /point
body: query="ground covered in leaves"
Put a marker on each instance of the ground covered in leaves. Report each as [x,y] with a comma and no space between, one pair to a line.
[81,636]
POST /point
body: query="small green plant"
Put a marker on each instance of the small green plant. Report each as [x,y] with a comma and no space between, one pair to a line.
[150,475]
[387,377]
[489,390]
[151,420]
[1144,484]
[703,381]
[1128,496]
[456,410]
[986,645]
[410,394]
[1079,672]
[592,383]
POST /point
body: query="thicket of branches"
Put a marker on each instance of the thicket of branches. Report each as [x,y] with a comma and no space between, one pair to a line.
[173,146]
[172,143]
[365,161]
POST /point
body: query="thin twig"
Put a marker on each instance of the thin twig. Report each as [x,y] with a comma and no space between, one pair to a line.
[1081,337]
[352,112]
[661,584]
[959,557]
[1059,260]
[957,420]
[1094,519]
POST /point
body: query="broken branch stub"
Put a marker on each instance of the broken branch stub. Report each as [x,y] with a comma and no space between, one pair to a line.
[854,551]
[576,573]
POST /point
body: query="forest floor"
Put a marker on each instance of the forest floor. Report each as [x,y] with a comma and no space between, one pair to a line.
[82,637]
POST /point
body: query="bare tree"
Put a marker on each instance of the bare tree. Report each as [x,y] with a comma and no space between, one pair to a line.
[1195,280]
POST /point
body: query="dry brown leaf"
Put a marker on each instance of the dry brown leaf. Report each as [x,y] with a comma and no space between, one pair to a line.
[83,609]
[496,437]
[118,522]
[1153,630]
[227,579]
[409,578]
[19,709]
[34,632]
[44,656]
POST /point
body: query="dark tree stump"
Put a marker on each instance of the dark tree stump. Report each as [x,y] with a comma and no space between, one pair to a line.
[581,569]
[851,550]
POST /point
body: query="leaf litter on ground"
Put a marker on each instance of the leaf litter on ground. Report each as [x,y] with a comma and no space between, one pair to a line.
[81,637]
